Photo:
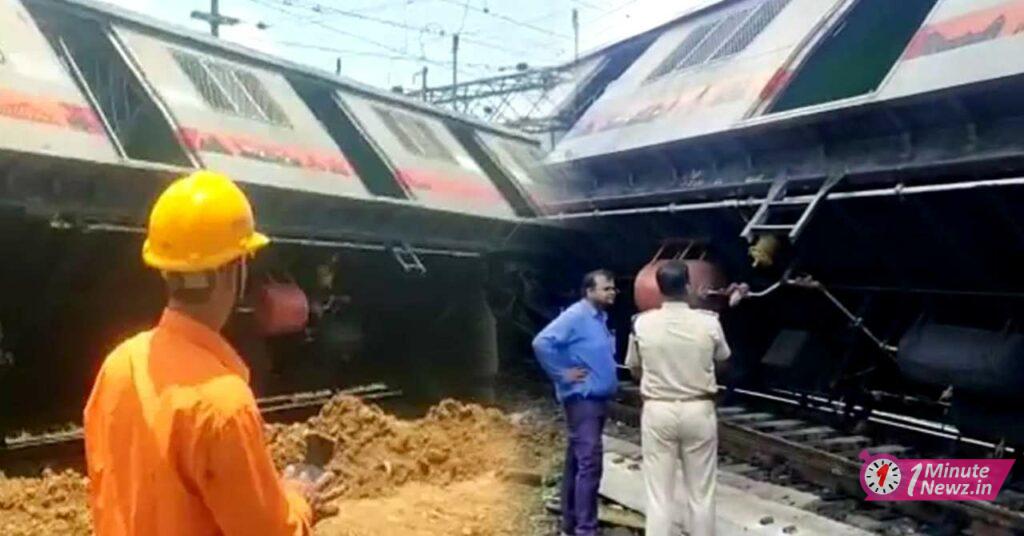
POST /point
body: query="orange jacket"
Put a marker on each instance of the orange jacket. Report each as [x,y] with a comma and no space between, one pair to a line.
[174,442]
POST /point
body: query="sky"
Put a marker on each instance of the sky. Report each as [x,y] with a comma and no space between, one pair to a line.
[386,43]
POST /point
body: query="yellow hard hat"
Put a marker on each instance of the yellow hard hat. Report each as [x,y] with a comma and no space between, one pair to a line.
[200,222]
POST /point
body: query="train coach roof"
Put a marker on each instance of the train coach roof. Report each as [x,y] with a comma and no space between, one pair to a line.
[97,9]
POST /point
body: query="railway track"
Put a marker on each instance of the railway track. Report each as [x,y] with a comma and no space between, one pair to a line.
[66,448]
[804,445]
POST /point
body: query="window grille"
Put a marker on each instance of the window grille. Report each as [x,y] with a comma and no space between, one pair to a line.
[415,135]
[679,54]
[230,89]
[716,39]
[751,28]
[720,38]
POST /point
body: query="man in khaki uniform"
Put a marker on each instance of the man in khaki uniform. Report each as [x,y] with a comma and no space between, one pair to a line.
[673,350]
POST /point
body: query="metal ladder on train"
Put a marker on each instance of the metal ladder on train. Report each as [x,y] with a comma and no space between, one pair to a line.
[766,220]
[408,259]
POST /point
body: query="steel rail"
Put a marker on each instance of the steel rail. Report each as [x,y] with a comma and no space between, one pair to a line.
[268,406]
[832,470]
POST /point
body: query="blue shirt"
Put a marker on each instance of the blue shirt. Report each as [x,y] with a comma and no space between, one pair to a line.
[579,337]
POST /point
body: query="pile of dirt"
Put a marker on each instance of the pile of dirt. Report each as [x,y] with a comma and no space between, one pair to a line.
[482,506]
[422,477]
[376,453]
[54,503]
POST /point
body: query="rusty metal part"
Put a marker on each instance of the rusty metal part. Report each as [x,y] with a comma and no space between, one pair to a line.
[703,275]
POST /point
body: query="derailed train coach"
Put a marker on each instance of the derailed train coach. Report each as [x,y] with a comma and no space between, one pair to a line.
[391,219]
[858,163]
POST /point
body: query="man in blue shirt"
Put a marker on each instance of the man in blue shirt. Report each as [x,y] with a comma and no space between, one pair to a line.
[578,352]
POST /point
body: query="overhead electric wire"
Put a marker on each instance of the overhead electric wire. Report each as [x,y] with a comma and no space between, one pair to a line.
[383,6]
[602,29]
[547,15]
[488,12]
[382,55]
[615,10]
[563,9]
[324,25]
[465,13]
[397,57]
[321,8]
[317,7]
[328,27]
[397,54]
[697,6]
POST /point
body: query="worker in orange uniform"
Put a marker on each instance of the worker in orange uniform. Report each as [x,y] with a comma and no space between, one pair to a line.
[174,439]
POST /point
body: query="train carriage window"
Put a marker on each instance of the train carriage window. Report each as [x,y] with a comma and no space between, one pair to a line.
[244,104]
[855,57]
[751,28]
[262,98]
[433,146]
[88,55]
[717,38]
[720,38]
[208,88]
[391,122]
[230,89]
[527,158]
[677,56]
[415,135]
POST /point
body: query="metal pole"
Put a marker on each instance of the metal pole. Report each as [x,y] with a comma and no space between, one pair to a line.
[576,34]
[424,82]
[455,61]
[215,17]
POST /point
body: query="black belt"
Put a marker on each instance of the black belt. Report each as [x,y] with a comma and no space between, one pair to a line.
[707,396]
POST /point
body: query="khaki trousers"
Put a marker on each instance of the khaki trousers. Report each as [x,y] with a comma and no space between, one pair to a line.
[680,435]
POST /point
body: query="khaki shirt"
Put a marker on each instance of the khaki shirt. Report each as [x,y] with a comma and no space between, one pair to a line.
[675,348]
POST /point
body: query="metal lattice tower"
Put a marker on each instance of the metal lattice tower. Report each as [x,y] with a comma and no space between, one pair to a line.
[524,100]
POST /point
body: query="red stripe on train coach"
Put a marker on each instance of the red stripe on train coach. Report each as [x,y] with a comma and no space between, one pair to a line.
[443,185]
[25,107]
[1004,20]
[251,148]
